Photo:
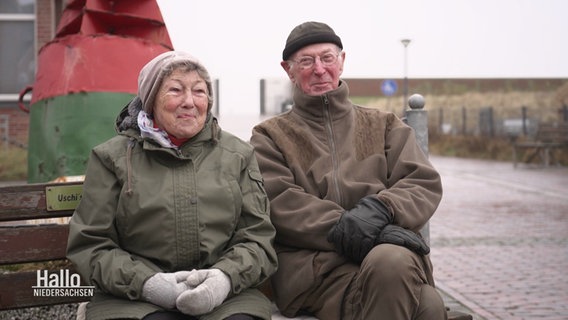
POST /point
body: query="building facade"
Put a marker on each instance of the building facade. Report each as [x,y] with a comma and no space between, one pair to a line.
[26,25]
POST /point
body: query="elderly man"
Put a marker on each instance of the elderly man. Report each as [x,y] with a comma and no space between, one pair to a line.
[349,190]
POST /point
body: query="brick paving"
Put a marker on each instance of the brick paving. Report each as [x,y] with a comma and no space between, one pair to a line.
[500,239]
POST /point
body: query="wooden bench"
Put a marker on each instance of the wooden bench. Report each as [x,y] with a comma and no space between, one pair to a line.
[29,245]
[549,138]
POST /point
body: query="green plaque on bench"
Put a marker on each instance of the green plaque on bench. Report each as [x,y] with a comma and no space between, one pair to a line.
[63,197]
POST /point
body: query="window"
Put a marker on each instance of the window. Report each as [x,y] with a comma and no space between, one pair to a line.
[17,57]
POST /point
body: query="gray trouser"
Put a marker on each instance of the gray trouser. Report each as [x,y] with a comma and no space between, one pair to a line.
[391,283]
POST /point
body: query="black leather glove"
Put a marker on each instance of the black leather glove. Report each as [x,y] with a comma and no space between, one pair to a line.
[403,237]
[356,231]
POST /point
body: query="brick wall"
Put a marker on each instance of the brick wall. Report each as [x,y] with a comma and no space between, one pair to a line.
[45,25]
[17,122]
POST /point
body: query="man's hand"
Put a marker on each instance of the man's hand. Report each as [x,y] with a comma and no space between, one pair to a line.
[208,288]
[162,289]
[403,237]
[355,233]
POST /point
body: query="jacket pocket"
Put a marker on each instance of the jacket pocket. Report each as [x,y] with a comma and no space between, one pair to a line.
[258,188]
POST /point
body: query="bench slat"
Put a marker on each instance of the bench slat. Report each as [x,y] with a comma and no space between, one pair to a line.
[548,139]
[14,296]
[25,202]
[32,243]
[555,134]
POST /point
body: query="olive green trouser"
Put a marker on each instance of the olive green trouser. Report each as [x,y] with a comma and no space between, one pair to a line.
[391,283]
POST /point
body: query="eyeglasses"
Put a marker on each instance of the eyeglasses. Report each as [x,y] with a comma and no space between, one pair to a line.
[327,59]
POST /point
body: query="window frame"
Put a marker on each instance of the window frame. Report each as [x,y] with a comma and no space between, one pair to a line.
[19,17]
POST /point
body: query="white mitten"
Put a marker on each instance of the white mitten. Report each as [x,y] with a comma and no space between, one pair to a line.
[208,288]
[162,289]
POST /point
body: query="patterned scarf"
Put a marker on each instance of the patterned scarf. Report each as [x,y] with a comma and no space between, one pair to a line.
[147,130]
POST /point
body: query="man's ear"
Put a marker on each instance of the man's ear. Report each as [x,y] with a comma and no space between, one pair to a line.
[286,66]
[342,62]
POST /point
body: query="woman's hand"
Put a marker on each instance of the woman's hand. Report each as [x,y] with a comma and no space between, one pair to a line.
[208,288]
[163,289]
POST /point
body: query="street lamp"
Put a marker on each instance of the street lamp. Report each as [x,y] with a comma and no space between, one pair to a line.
[405,43]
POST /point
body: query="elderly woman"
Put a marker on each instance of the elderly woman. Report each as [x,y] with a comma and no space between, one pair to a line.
[174,220]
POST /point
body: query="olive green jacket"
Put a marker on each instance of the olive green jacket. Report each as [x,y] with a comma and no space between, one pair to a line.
[148,209]
[318,160]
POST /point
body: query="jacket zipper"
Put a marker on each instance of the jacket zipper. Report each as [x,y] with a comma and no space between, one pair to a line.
[333,149]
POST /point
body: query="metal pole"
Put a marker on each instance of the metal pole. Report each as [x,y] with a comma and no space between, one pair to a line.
[417,118]
[464,121]
[524,114]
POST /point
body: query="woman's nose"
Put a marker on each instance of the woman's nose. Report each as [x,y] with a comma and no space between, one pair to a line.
[188,100]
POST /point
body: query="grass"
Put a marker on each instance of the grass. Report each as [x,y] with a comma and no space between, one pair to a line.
[462,111]
[479,147]
[470,147]
[13,163]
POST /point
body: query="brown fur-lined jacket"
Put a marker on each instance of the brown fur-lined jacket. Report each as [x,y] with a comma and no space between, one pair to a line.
[318,160]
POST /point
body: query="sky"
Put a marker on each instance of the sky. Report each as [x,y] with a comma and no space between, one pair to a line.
[241,42]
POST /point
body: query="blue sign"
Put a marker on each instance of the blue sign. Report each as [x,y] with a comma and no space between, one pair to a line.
[388,87]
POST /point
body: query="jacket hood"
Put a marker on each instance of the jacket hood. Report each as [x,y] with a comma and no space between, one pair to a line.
[128,116]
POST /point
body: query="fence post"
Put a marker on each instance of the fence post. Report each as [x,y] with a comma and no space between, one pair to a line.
[440,128]
[464,121]
[417,118]
[5,129]
[524,115]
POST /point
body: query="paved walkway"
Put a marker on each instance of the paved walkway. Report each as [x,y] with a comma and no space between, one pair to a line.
[500,239]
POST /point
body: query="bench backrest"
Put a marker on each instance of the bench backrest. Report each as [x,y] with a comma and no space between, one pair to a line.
[553,133]
[25,240]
